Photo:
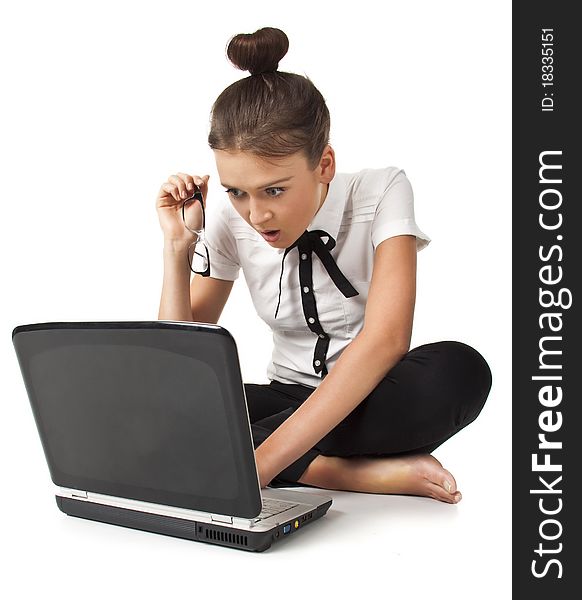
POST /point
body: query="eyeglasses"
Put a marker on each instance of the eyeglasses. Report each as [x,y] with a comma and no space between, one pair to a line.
[194,218]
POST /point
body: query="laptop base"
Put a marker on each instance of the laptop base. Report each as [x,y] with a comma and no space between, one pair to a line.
[253,541]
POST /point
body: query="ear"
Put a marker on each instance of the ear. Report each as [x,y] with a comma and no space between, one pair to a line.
[327,164]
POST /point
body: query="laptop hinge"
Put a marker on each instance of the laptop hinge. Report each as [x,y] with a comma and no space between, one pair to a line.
[221,518]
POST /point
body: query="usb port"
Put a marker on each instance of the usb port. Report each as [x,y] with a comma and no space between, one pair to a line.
[286,528]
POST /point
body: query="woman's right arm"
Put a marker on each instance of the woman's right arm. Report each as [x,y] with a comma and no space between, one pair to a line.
[203,298]
[175,301]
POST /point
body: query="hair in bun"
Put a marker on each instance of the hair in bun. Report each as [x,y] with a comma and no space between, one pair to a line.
[270,113]
[258,52]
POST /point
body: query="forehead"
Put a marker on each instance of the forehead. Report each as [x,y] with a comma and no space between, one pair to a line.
[247,170]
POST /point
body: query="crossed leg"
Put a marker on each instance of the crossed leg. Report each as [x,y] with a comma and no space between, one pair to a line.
[384,445]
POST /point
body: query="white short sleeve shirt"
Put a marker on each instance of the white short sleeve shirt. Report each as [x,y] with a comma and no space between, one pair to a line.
[315,320]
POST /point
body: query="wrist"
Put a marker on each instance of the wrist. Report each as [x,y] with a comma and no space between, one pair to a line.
[176,246]
[265,465]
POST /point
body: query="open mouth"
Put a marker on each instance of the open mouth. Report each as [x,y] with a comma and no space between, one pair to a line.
[272,235]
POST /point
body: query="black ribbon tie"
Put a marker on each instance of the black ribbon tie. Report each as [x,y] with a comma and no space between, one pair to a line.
[310,241]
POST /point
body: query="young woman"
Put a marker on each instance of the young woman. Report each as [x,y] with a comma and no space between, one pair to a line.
[330,261]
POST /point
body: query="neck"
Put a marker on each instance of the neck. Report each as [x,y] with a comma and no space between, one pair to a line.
[323,196]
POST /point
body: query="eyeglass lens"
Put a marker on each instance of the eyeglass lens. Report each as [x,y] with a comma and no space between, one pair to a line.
[199,260]
[193,215]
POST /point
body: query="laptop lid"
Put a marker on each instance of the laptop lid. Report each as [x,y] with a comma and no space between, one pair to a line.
[150,410]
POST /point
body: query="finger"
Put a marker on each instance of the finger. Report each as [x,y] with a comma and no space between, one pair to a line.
[202,183]
[191,181]
[172,190]
[182,191]
[188,181]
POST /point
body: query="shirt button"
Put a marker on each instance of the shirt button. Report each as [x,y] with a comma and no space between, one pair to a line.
[322,335]
[304,256]
[311,320]
[317,363]
[306,289]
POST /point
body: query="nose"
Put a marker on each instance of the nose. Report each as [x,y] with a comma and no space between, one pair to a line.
[259,214]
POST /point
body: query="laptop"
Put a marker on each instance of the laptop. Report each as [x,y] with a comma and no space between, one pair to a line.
[144,424]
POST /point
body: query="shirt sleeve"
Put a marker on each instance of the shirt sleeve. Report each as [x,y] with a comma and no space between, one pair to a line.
[222,249]
[395,213]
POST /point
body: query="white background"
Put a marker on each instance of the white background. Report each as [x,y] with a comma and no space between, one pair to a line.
[101,102]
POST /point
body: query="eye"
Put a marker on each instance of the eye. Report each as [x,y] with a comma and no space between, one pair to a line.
[230,191]
[275,188]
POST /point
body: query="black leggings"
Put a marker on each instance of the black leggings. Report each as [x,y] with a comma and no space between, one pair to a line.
[429,395]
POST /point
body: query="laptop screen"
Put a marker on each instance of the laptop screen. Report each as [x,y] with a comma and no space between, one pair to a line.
[154,414]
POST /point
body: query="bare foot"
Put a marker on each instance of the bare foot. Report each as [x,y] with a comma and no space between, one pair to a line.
[415,474]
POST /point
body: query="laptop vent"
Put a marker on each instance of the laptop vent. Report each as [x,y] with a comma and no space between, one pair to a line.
[217,535]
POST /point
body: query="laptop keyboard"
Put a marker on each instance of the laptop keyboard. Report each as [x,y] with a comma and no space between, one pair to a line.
[274,507]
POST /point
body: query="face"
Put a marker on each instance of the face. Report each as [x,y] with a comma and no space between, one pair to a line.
[275,194]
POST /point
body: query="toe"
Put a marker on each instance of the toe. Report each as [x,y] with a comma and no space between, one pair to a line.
[437,492]
[448,482]
[437,474]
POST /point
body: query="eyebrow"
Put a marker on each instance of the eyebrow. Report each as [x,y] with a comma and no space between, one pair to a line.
[266,185]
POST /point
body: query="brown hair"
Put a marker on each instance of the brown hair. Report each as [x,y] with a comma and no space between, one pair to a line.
[270,113]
